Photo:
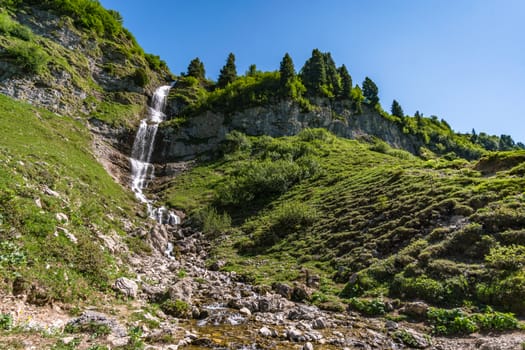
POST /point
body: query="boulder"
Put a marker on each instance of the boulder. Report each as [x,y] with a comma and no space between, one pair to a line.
[301,293]
[283,289]
[416,309]
[126,287]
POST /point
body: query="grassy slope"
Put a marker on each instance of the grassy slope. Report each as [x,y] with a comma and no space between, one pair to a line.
[399,225]
[42,150]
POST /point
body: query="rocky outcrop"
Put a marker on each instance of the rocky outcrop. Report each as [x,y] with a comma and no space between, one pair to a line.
[204,133]
[83,72]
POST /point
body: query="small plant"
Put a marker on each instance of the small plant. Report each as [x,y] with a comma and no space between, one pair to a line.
[449,322]
[177,308]
[135,341]
[29,57]
[373,307]
[406,338]
[95,329]
[182,273]
[6,322]
[140,77]
[211,221]
[72,345]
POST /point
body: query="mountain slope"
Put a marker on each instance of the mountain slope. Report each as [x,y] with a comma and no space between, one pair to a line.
[389,222]
[285,239]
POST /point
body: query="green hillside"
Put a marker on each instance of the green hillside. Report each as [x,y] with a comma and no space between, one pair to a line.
[56,204]
[374,227]
[447,232]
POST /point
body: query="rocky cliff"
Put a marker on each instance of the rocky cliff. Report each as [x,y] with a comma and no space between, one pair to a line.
[80,73]
[203,133]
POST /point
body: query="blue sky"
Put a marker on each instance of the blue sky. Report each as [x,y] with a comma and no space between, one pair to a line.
[462,60]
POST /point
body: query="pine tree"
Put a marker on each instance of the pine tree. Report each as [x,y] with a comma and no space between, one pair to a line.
[396,109]
[346,82]
[252,70]
[332,75]
[370,91]
[196,69]
[313,73]
[287,70]
[228,73]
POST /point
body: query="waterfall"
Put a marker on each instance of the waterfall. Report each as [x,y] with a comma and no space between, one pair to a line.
[141,169]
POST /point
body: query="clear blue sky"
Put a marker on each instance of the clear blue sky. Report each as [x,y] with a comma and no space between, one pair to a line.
[462,60]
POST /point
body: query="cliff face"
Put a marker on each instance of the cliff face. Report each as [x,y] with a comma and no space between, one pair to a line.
[204,132]
[85,73]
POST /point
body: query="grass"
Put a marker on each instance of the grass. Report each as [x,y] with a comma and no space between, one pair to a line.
[406,227]
[46,168]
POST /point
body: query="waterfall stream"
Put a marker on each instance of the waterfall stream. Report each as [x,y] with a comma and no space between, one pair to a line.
[142,171]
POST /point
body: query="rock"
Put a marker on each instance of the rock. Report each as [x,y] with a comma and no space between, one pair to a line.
[283,290]
[61,217]
[301,293]
[265,332]
[273,303]
[217,265]
[302,312]
[490,346]
[154,294]
[50,192]
[126,286]
[412,338]
[416,309]
[308,346]
[294,334]
[91,318]
[245,312]
[319,323]
[182,290]
[391,325]
[67,340]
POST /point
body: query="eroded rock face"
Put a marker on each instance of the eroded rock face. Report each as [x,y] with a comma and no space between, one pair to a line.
[205,132]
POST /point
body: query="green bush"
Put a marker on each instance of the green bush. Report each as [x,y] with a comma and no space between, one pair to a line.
[455,321]
[176,308]
[373,307]
[421,287]
[292,216]
[507,292]
[508,258]
[140,77]
[449,322]
[154,62]
[29,57]
[211,222]
[10,27]
[6,322]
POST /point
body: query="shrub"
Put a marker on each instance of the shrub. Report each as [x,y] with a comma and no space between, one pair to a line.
[292,216]
[507,292]
[176,308]
[236,141]
[509,258]
[29,57]
[6,321]
[10,27]
[448,322]
[418,287]
[373,307]
[140,77]
[154,62]
[211,222]
[455,321]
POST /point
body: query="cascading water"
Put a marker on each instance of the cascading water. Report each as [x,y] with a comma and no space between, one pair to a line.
[141,169]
